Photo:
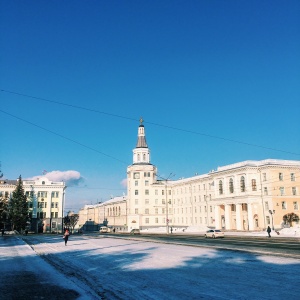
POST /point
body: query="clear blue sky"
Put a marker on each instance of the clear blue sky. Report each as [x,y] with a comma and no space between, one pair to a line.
[215,70]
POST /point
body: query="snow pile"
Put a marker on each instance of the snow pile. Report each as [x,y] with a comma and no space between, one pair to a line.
[292,231]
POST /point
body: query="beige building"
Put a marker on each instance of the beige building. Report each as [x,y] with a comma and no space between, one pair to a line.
[45,200]
[249,195]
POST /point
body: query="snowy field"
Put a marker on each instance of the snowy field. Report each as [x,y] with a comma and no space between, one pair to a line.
[105,267]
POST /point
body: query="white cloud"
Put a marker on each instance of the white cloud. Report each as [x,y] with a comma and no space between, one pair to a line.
[124,183]
[70,177]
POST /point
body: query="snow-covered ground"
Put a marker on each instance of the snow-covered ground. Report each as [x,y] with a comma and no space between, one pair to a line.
[107,267]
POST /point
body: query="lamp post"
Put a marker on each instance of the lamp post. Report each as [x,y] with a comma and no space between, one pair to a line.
[272,212]
[167,201]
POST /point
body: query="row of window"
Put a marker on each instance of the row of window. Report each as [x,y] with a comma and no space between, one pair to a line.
[242,185]
[43,215]
[283,205]
[280,177]
[180,220]
[44,205]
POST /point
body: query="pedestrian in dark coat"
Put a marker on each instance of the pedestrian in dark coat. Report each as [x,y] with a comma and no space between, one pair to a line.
[269,231]
[66,236]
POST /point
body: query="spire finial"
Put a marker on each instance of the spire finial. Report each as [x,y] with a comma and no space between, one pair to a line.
[141,121]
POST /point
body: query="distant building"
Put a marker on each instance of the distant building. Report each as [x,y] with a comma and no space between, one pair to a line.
[249,195]
[46,201]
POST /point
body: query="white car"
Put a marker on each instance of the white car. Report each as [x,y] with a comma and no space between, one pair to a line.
[214,233]
[104,229]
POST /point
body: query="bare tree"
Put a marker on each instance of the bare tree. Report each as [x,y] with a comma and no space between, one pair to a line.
[290,218]
[71,220]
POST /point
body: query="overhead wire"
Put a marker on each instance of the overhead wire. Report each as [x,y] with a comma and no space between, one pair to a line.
[62,136]
[149,122]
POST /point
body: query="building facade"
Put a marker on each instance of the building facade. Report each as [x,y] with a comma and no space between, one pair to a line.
[249,195]
[46,201]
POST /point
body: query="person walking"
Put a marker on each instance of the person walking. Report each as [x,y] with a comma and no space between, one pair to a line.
[66,236]
[269,231]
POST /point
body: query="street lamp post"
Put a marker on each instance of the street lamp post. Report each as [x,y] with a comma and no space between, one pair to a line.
[167,201]
[272,213]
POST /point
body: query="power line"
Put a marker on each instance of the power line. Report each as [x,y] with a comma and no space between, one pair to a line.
[150,123]
[64,137]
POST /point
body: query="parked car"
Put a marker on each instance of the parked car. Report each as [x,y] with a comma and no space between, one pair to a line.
[104,229]
[135,231]
[214,233]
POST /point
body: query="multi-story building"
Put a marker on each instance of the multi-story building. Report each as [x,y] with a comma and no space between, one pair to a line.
[249,195]
[45,200]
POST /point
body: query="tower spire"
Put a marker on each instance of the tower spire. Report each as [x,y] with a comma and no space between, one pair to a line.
[141,153]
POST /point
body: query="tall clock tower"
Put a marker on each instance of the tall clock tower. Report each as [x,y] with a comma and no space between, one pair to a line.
[140,178]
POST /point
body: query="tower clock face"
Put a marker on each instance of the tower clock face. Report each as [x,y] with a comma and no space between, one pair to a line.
[136,175]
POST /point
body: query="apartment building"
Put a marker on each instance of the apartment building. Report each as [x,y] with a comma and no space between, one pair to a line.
[45,200]
[248,195]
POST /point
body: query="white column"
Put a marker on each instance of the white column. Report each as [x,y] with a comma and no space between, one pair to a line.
[250,217]
[227,216]
[239,225]
[217,217]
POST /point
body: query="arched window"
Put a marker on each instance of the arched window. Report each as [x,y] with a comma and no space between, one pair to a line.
[144,157]
[139,158]
[242,183]
[220,187]
[119,210]
[231,188]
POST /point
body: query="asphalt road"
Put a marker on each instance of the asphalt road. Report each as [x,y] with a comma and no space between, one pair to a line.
[279,246]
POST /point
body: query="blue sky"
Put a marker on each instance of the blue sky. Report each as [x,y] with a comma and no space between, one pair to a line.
[200,73]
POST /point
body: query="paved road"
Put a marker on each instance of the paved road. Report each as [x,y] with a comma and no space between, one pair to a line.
[287,247]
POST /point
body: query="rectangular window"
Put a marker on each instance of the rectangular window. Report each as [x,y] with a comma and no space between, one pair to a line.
[146,192]
[52,214]
[147,211]
[156,201]
[292,177]
[146,201]
[136,201]
[136,211]
[210,208]
[295,204]
[156,192]
[156,220]
[136,192]
[265,191]
[56,215]
[267,205]
[54,194]
[136,183]
[253,182]
[146,182]
[147,220]
[283,205]
[56,204]
[294,192]
[268,220]
[264,176]
[52,205]
[280,176]
[163,211]
[162,192]
[156,211]
[281,191]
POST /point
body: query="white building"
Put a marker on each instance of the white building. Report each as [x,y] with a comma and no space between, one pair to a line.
[46,200]
[249,195]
